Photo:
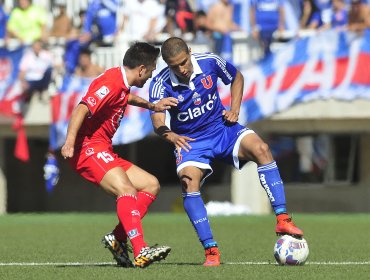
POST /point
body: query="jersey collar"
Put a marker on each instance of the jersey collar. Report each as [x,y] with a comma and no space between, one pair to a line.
[197,70]
[124,77]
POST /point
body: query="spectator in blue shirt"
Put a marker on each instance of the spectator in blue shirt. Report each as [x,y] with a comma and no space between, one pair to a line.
[103,14]
[316,14]
[266,17]
[311,15]
[339,18]
[3,20]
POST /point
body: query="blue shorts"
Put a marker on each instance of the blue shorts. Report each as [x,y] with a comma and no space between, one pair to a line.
[221,143]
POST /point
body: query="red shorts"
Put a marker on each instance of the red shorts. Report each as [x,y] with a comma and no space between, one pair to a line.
[94,160]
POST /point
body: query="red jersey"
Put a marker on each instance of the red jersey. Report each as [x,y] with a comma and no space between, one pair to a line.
[106,99]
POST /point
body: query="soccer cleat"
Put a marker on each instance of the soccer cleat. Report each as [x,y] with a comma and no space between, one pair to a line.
[212,257]
[151,254]
[118,249]
[285,225]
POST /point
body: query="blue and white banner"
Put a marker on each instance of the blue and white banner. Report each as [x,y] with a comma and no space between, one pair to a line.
[329,65]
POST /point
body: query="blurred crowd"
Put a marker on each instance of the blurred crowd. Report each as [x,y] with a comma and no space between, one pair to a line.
[105,22]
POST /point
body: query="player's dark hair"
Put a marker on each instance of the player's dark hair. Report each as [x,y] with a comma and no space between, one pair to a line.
[172,47]
[86,51]
[140,53]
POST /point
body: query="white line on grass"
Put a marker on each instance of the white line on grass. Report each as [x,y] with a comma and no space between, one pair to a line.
[113,263]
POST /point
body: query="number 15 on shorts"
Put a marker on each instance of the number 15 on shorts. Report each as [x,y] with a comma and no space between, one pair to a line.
[105,156]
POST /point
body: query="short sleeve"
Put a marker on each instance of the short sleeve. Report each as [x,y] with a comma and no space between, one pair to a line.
[225,70]
[97,96]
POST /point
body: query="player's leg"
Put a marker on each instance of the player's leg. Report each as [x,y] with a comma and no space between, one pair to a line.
[118,183]
[252,147]
[147,187]
[190,178]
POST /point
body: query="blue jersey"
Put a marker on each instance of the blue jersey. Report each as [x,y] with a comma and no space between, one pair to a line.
[103,13]
[3,20]
[199,109]
[267,13]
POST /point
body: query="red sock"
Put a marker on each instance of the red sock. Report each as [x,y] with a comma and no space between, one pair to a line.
[119,233]
[144,199]
[130,219]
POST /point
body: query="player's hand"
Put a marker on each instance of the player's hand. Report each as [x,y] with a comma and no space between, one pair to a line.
[67,151]
[165,104]
[181,142]
[230,116]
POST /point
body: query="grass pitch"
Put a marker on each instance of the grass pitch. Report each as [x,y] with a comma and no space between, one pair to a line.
[67,246]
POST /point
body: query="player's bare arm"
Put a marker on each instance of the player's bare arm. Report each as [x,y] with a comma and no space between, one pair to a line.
[162,105]
[236,89]
[77,118]
[158,120]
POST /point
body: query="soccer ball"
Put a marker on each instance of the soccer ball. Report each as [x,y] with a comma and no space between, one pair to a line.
[289,250]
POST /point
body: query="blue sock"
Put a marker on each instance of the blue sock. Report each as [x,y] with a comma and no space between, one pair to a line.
[270,180]
[197,213]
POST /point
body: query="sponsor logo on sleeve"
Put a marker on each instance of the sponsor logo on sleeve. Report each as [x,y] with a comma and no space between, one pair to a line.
[102,92]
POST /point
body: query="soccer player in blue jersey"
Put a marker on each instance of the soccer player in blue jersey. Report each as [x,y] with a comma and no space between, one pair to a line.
[203,130]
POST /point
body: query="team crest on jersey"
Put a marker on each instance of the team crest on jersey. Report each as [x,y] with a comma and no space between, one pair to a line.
[102,92]
[91,101]
[207,82]
[89,151]
[196,98]
[178,156]
[180,98]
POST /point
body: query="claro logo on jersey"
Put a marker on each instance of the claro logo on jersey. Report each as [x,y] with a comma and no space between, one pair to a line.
[193,113]
[102,92]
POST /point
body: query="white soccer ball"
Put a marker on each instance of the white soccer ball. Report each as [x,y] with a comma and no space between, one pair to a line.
[289,250]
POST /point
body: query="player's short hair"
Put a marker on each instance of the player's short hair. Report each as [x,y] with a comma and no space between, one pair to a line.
[85,51]
[140,53]
[172,47]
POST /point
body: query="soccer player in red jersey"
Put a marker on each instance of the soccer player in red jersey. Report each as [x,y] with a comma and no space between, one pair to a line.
[88,147]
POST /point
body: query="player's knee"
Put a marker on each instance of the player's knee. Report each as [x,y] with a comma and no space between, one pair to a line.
[188,184]
[185,180]
[262,153]
[153,185]
[120,189]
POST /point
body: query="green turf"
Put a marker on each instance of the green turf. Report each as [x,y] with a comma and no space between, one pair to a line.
[66,238]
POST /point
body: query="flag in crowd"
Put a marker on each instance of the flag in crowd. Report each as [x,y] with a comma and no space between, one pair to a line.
[329,65]
[11,97]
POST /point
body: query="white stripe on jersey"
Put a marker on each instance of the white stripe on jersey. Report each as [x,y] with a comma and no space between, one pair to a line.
[158,89]
[199,56]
